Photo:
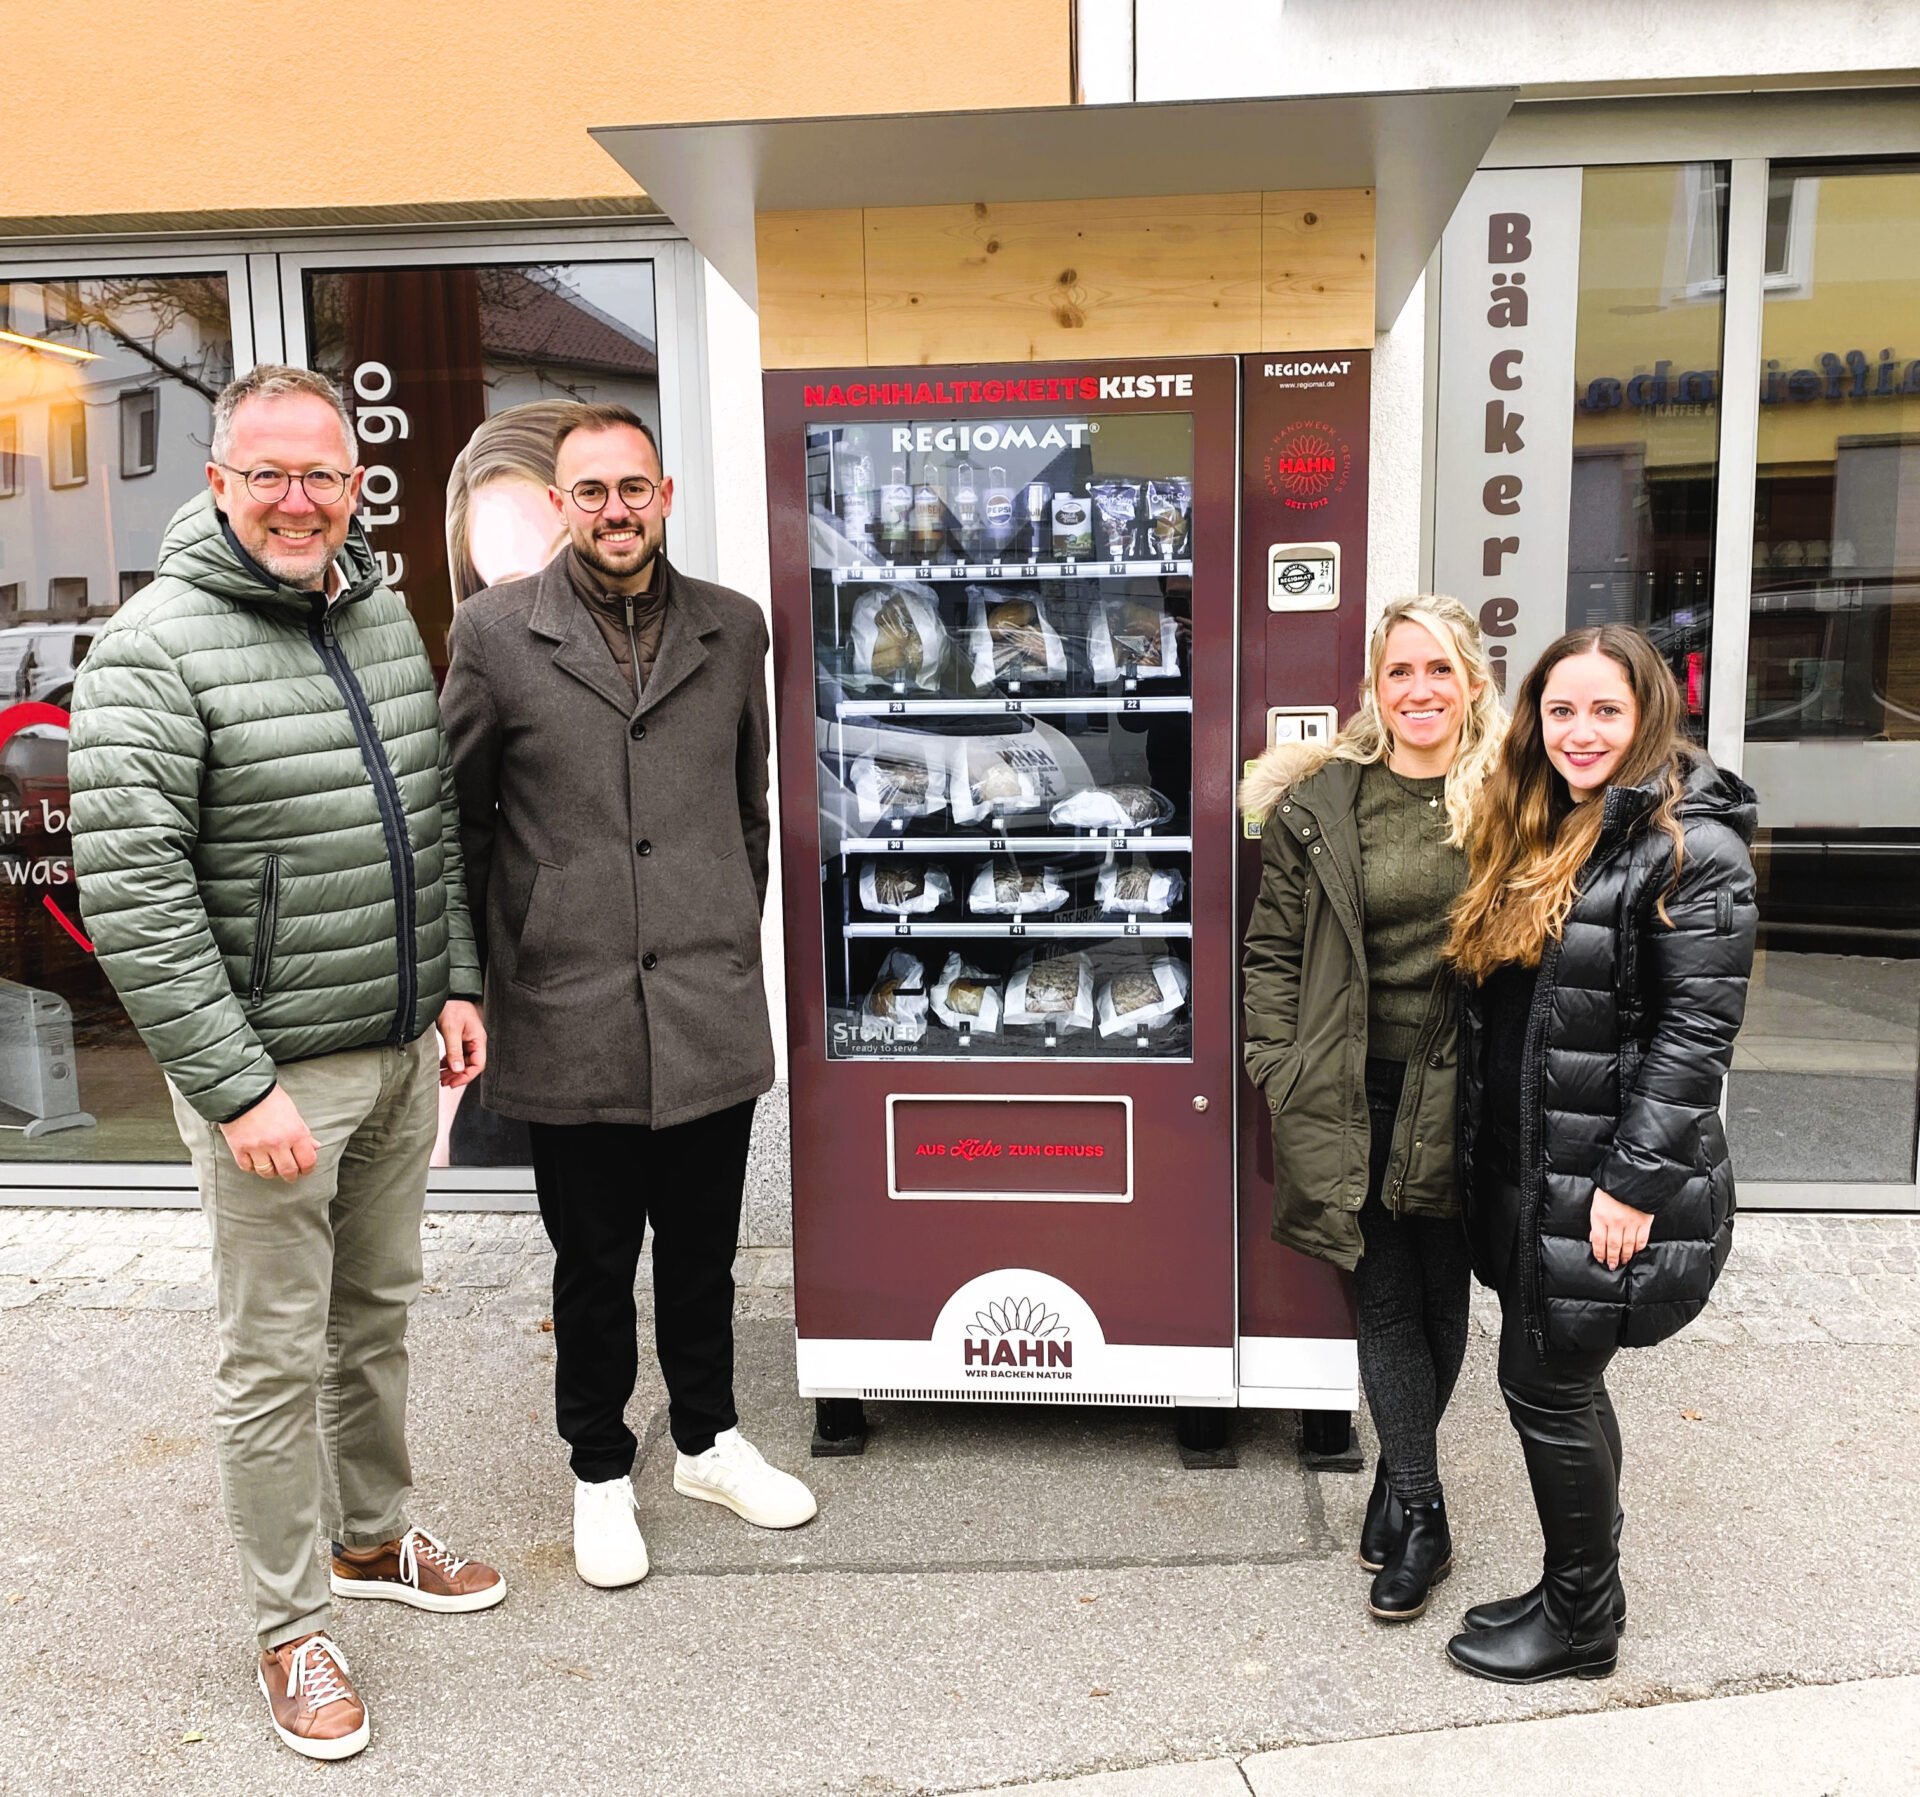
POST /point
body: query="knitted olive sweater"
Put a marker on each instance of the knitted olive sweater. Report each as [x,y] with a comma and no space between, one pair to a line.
[1411,875]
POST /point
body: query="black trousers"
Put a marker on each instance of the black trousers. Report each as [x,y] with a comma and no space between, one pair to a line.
[600,1184]
[1411,1287]
[1571,1440]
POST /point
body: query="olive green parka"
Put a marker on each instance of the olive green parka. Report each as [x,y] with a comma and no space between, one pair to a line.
[264,828]
[1305,995]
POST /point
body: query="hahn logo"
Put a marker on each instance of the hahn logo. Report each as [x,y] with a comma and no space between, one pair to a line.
[1306,465]
[1018,1323]
[1018,1332]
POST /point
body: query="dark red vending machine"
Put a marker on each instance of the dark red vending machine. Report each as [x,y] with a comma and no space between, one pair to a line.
[1004,648]
[1303,611]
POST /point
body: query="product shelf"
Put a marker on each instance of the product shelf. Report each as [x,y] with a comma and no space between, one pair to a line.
[1139,841]
[867,574]
[998,706]
[1118,925]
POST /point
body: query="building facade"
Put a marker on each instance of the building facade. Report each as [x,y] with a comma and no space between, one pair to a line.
[1663,368]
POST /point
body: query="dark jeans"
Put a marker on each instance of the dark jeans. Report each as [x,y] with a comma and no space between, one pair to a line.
[1412,1285]
[600,1184]
[1571,1439]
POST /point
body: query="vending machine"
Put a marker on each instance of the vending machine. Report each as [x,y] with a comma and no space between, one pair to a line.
[1004,644]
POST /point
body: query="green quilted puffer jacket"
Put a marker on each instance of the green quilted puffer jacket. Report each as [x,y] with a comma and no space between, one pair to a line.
[264,829]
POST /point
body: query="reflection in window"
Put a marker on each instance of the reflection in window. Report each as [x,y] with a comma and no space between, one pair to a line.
[139,432]
[67,445]
[1824,1075]
[1646,420]
[146,355]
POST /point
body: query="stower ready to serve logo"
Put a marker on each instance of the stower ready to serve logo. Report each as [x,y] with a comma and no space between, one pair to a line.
[1306,465]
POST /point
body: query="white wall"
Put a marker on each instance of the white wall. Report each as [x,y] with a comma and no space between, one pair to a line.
[1360,46]
[738,439]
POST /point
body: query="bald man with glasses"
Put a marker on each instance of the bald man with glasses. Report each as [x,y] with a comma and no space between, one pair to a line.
[608,719]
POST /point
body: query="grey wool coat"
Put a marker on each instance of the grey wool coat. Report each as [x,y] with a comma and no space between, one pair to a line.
[616,852]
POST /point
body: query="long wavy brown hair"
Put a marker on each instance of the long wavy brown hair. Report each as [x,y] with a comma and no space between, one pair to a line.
[1531,839]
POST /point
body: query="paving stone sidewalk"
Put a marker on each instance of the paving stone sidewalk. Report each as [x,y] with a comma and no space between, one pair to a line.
[1844,1280]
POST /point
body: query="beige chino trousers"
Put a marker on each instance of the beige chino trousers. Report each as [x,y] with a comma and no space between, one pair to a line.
[311,1285]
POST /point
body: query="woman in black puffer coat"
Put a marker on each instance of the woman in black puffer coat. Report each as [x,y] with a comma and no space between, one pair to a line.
[1605,940]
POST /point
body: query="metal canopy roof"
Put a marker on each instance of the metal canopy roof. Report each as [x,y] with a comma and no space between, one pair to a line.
[1416,150]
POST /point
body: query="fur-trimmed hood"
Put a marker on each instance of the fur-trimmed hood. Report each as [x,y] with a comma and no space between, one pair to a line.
[1282,768]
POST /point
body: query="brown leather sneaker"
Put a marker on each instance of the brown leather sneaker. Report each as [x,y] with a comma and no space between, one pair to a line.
[417,1570]
[315,1710]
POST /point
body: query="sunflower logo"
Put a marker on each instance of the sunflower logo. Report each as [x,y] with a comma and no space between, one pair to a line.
[1307,464]
[1019,1316]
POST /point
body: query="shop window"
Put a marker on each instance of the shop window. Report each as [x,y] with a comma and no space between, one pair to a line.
[1825,1072]
[164,343]
[67,446]
[139,432]
[9,456]
[1646,416]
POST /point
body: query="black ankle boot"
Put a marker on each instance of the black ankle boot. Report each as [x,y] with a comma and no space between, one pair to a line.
[1386,1522]
[1424,1557]
[1526,1651]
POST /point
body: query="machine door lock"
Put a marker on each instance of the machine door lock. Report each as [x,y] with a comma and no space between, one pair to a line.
[1200,1104]
[1303,576]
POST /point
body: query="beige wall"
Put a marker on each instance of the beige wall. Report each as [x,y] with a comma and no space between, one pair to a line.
[128,107]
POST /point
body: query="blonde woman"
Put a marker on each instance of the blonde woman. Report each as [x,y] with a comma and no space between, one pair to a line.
[1607,936]
[1350,1019]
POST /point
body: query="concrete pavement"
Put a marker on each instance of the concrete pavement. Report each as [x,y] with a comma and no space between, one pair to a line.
[990,1596]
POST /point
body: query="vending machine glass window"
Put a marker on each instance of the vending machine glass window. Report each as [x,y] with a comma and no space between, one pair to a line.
[1003,637]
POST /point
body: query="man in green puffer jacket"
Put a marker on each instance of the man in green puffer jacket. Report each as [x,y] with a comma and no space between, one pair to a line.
[268,855]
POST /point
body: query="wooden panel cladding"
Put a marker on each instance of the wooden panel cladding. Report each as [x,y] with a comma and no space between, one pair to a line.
[813,289]
[1044,281]
[1060,280]
[1316,269]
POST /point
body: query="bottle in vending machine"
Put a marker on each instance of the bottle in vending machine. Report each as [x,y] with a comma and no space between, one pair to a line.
[966,513]
[895,507]
[997,511]
[854,477]
[927,523]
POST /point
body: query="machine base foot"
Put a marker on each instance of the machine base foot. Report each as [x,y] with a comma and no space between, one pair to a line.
[839,1428]
[1204,1437]
[1327,1441]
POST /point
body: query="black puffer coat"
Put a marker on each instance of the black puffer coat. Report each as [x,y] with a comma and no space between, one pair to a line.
[1628,1043]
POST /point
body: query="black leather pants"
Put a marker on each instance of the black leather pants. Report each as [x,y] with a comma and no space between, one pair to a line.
[1571,1440]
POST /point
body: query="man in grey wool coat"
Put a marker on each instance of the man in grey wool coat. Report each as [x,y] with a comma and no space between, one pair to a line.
[608,722]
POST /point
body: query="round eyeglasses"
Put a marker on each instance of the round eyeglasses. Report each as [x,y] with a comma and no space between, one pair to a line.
[636,493]
[323,486]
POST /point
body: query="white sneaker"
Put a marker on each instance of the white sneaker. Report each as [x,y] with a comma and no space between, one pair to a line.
[607,1549]
[731,1472]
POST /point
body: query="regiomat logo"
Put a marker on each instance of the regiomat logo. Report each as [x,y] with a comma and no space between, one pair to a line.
[1018,1332]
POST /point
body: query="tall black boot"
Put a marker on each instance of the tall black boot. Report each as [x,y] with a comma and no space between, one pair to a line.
[1385,1523]
[1510,1609]
[1571,1632]
[1424,1557]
